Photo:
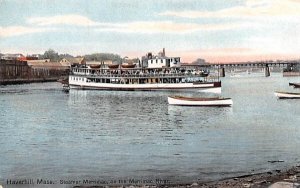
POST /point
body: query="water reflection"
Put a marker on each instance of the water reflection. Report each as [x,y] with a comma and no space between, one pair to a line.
[46,132]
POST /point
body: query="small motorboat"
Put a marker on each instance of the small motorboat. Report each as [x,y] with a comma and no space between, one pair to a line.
[287,95]
[295,85]
[66,88]
[193,101]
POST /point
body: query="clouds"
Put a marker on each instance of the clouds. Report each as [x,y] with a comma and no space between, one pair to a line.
[45,24]
[286,10]
[276,35]
[251,9]
[71,19]
[239,28]
[21,30]
[170,27]
[131,27]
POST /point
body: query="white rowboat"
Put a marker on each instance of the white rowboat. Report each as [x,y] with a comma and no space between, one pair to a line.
[286,95]
[191,101]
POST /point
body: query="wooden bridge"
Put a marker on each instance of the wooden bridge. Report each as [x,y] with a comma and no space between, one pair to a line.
[260,64]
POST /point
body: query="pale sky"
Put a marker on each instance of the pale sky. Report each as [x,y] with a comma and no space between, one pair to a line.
[216,30]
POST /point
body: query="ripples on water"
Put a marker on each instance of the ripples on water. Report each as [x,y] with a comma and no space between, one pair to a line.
[90,134]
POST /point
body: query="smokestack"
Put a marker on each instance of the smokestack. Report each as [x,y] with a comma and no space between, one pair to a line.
[164,53]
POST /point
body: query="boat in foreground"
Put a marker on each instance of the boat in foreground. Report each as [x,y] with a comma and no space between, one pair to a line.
[295,85]
[287,95]
[192,101]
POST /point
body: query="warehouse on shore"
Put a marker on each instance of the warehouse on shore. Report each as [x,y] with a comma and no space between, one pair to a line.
[15,68]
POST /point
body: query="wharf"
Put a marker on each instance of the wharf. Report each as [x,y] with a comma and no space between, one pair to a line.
[26,81]
[19,72]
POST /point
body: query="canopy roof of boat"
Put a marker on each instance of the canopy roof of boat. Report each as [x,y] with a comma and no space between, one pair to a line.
[136,68]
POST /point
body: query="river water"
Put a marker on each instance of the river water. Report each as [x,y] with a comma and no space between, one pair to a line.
[46,133]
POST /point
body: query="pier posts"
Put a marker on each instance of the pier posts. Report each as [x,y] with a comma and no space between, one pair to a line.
[267,70]
[222,72]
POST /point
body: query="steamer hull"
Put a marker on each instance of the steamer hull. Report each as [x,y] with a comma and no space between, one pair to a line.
[213,87]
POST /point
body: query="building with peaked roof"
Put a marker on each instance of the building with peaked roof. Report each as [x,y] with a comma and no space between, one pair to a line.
[44,68]
[20,57]
[70,61]
[38,61]
[46,64]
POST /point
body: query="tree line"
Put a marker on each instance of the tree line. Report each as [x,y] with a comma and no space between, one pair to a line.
[54,56]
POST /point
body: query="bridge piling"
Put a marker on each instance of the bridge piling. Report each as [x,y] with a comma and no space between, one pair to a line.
[222,72]
[267,71]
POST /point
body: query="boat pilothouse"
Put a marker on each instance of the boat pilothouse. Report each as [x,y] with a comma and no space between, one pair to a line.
[154,73]
[160,62]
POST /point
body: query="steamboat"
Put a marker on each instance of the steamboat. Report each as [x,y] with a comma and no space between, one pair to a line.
[155,73]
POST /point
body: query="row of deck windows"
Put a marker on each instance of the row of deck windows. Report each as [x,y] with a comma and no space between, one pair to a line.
[170,60]
[161,61]
[81,70]
[77,78]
